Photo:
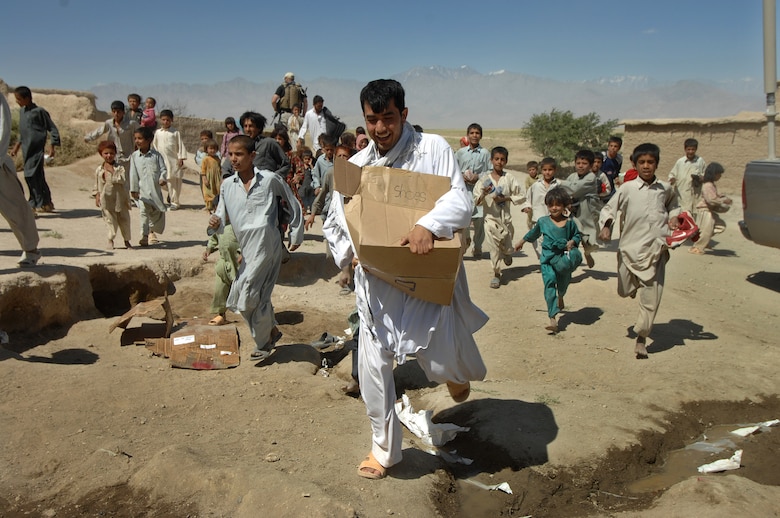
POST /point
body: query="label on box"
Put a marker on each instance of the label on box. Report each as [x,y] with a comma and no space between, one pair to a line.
[181,340]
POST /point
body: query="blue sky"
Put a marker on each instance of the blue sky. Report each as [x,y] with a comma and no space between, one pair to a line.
[76,44]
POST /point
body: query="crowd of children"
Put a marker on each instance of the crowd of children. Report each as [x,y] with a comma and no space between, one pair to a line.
[143,155]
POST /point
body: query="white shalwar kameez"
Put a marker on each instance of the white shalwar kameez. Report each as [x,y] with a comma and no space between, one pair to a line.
[254,215]
[393,324]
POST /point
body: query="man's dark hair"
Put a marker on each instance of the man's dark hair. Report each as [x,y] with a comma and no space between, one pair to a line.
[117,105]
[378,94]
[258,120]
[23,92]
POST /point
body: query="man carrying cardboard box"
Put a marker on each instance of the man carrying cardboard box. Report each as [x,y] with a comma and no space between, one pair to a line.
[393,323]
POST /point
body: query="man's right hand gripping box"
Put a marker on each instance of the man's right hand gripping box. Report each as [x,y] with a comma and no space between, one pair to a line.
[385,205]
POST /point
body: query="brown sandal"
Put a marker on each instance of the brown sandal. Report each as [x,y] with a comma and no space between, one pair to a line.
[218,320]
[371,468]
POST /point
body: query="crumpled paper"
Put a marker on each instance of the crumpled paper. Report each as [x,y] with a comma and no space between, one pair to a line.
[723,464]
[421,425]
[503,486]
[749,430]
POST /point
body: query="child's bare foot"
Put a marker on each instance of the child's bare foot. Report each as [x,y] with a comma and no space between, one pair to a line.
[153,238]
[640,348]
[553,327]
[561,305]
[589,260]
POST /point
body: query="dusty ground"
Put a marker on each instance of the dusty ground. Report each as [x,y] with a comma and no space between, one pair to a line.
[91,428]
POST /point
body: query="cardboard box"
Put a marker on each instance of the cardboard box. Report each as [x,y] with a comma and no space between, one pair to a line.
[386,203]
[199,347]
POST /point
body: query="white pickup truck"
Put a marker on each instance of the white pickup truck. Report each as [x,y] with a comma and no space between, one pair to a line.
[761,202]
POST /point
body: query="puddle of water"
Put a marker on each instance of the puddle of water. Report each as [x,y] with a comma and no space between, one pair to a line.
[717,443]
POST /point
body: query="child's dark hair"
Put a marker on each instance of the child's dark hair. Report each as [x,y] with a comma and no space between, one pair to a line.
[499,149]
[244,141]
[598,156]
[230,120]
[210,143]
[146,132]
[328,141]
[206,133]
[282,132]
[557,195]
[615,138]
[166,113]
[135,97]
[646,149]
[154,101]
[305,151]
[106,144]
[586,154]
[691,142]
[712,171]
[23,92]
[548,160]
[117,105]
[348,149]
[531,163]
[360,130]
[475,126]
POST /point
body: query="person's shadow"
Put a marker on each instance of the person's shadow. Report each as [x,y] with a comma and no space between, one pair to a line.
[673,334]
[61,357]
[503,434]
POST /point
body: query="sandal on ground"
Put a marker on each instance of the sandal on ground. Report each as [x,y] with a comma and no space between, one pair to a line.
[29,259]
[268,348]
[371,469]
[695,251]
[640,349]
[459,392]
[495,283]
[553,326]
[218,320]
[325,340]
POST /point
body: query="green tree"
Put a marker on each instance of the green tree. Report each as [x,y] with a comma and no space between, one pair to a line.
[559,134]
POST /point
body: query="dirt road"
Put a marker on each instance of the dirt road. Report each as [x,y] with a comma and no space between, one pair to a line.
[568,420]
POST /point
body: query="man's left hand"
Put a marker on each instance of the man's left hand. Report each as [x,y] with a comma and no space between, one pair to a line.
[420,240]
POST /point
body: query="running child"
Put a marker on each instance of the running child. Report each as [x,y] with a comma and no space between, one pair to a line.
[560,255]
[494,192]
[649,211]
[583,186]
[534,198]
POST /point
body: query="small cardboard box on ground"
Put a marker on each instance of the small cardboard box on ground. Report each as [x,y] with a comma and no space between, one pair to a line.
[386,203]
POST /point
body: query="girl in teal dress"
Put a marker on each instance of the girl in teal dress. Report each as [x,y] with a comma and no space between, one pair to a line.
[560,255]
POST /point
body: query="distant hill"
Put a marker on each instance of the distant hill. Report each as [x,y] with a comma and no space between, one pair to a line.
[440,97]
